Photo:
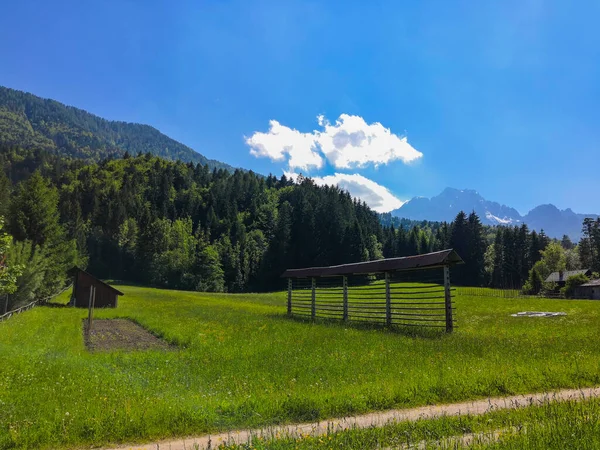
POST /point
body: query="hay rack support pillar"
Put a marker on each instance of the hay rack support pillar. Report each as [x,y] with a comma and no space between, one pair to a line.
[313,303]
[388,301]
[289,297]
[448,300]
[345,303]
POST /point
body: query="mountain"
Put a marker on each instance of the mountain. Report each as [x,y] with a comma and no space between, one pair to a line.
[444,207]
[29,121]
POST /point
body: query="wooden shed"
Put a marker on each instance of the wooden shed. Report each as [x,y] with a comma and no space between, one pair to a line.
[106,295]
[589,290]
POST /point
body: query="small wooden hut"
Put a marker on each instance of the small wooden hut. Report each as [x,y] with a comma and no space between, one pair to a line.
[106,295]
[589,290]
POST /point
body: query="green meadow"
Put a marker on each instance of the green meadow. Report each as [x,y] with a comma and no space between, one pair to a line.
[237,361]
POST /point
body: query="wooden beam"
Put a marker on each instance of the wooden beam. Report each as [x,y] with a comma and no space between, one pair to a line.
[448,300]
[345,284]
[289,297]
[90,309]
[388,301]
[313,305]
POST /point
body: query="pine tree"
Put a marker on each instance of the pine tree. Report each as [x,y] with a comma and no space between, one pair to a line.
[535,247]
[34,212]
[475,256]
[5,190]
[498,278]
[459,241]
[414,242]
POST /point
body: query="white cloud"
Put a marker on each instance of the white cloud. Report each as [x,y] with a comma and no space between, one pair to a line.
[378,197]
[280,141]
[351,142]
[348,143]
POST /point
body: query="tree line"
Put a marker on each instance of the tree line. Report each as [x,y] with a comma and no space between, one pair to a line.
[182,225]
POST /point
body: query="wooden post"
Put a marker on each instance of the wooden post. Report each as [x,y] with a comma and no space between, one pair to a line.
[313,305]
[388,301]
[289,300]
[345,298]
[448,300]
[91,308]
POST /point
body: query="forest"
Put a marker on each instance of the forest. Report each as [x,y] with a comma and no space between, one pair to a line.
[148,220]
[29,121]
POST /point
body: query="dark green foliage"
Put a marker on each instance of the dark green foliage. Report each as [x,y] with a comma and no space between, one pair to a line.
[567,243]
[30,282]
[534,283]
[34,214]
[181,225]
[34,218]
[572,283]
[589,246]
[32,122]
[5,190]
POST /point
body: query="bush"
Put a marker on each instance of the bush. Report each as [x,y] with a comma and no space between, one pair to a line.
[572,283]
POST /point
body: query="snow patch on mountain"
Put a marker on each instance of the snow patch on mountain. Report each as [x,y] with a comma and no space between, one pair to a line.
[500,221]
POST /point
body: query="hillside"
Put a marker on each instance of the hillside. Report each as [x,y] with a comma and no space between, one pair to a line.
[445,206]
[29,121]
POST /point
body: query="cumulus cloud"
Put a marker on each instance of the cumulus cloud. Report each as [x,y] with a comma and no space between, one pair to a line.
[348,143]
[282,142]
[378,197]
[351,142]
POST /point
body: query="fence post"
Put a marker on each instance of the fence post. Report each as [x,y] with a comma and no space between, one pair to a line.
[388,301]
[289,299]
[345,284]
[448,300]
[313,304]
[90,308]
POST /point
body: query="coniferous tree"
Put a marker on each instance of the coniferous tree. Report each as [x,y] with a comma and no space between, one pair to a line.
[498,278]
[475,256]
[459,242]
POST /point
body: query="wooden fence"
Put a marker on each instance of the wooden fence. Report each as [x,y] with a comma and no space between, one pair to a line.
[475,291]
[28,306]
[420,298]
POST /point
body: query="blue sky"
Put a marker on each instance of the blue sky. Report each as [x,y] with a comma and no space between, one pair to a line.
[501,97]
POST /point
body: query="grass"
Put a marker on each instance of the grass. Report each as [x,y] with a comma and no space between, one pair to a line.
[241,363]
[552,426]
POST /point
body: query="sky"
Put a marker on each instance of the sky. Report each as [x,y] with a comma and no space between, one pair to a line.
[388,99]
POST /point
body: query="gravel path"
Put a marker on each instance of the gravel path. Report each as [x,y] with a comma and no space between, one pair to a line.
[373,419]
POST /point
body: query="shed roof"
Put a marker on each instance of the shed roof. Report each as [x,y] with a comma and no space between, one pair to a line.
[426,261]
[76,269]
[593,283]
[557,277]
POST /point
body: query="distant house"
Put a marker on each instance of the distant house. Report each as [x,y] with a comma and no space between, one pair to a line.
[106,295]
[590,290]
[561,277]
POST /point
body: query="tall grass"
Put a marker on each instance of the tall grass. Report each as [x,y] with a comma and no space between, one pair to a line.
[241,363]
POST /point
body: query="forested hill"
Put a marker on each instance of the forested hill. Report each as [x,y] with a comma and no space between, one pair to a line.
[29,121]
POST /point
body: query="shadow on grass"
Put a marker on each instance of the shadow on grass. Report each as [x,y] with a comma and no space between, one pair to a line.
[422,332]
[55,305]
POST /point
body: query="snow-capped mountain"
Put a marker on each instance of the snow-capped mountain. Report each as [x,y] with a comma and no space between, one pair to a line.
[444,207]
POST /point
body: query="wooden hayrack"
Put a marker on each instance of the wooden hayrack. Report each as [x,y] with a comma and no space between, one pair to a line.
[410,291]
